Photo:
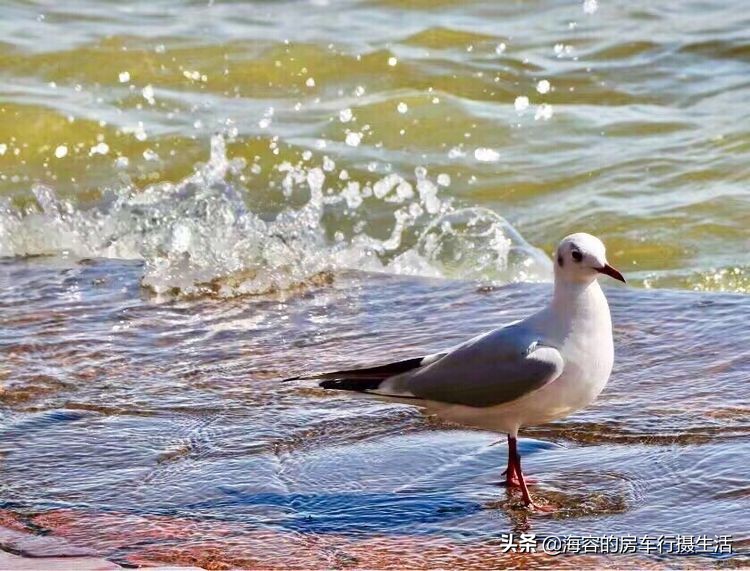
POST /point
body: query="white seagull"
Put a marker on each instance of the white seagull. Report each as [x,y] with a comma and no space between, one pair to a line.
[529,372]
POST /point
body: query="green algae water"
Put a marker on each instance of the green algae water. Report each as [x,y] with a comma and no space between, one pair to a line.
[198,198]
[627,121]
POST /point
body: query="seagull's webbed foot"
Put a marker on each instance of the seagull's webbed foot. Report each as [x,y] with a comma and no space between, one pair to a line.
[544,508]
[529,503]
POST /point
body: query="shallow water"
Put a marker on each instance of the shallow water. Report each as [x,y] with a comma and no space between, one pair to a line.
[199,198]
[158,431]
[646,144]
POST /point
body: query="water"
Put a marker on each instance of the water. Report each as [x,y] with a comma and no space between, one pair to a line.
[198,198]
[645,145]
[156,431]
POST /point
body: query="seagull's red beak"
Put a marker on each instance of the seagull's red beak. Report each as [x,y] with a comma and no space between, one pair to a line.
[611,272]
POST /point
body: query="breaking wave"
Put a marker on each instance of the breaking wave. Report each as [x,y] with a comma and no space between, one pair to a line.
[199,236]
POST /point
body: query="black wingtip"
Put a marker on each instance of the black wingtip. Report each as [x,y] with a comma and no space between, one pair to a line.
[379,372]
[359,385]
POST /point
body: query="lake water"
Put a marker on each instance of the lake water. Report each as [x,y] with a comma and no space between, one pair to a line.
[200,198]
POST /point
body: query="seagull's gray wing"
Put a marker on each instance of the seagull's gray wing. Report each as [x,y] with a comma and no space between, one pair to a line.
[494,368]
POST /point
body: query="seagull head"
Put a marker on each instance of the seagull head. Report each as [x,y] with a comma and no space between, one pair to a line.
[581,258]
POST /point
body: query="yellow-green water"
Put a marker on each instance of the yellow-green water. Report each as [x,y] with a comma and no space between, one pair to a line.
[647,144]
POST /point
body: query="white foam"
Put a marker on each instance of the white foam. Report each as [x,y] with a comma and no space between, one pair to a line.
[198,236]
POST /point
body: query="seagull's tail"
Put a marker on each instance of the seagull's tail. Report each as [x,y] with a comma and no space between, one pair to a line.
[360,380]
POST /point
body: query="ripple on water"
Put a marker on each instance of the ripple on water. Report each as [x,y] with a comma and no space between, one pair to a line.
[152,428]
[184,425]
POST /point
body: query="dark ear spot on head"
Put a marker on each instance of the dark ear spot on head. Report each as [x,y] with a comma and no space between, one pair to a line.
[560,260]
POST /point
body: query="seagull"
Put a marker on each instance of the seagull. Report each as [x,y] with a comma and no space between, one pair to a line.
[529,372]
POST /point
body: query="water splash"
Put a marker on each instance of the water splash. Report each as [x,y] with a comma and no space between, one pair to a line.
[198,236]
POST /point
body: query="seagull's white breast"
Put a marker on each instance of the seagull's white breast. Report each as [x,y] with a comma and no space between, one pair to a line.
[584,338]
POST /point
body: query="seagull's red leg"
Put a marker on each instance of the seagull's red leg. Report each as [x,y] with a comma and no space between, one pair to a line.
[511,479]
[522,484]
[514,459]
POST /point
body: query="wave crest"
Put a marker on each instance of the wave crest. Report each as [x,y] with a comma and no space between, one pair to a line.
[198,236]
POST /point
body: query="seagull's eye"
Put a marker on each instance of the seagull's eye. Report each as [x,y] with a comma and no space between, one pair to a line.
[577,256]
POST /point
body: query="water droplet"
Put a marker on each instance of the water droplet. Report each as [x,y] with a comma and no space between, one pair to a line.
[124,77]
[428,195]
[402,107]
[543,86]
[352,195]
[455,153]
[61,151]
[444,179]
[543,111]
[194,75]
[521,103]
[353,139]
[405,191]
[99,149]
[590,6]
[140,132]
[148,94]
[485,155]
